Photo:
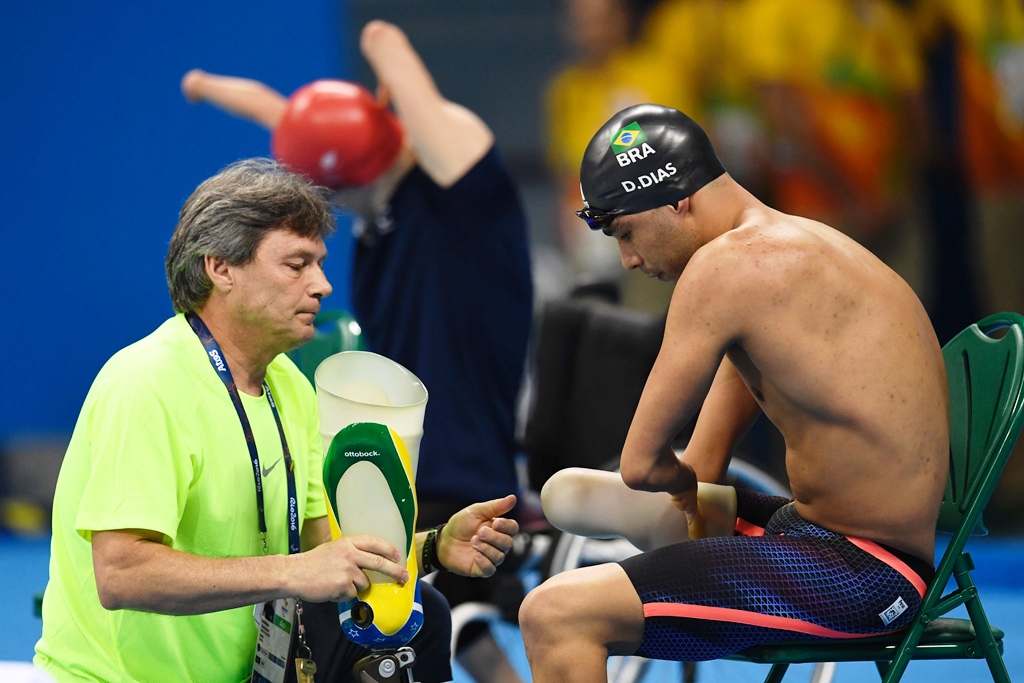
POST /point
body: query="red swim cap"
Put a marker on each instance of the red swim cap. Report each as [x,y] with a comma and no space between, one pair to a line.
[336,133]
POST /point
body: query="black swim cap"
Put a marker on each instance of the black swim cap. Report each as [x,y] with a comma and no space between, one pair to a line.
[644,157]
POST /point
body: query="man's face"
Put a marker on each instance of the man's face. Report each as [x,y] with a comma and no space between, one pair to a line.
[654,241]
[278,294]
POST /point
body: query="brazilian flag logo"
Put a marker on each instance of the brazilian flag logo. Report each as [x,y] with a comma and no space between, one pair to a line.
[628,137]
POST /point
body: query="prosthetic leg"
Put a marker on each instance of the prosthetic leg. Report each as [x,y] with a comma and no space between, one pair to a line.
[368,479]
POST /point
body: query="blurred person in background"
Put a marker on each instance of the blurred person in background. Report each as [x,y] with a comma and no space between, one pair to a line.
[711,59]
[840,86]
[989,99]
[821,117]
[612,68]
[980,46]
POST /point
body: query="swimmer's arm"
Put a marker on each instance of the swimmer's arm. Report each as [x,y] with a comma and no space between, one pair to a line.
[691,353]
[725,417]
[716,296]
[597,504]
[671,396]
[448,138]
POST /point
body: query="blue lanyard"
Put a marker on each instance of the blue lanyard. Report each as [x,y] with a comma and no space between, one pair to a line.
[220,364]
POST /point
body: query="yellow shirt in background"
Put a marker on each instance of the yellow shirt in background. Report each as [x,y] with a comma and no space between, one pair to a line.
[991,79]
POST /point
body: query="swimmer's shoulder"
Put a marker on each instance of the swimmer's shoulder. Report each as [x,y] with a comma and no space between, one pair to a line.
[765,243]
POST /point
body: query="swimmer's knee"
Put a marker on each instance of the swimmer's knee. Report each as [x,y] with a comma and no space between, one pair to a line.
[539,608]
[593,606]
[578,596]
[549,609]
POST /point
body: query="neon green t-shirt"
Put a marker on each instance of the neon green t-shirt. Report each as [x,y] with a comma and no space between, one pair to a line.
[159,446]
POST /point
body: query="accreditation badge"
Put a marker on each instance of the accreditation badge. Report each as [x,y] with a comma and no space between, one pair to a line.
[274,623]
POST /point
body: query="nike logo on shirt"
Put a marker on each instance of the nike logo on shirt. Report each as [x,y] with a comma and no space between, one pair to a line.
[268,470]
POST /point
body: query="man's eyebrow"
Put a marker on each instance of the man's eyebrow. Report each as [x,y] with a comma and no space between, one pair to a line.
[305,254]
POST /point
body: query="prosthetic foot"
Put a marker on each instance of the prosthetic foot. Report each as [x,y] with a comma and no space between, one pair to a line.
[385,666]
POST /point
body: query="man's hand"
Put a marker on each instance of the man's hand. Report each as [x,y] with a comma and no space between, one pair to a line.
[334,571]
[475,540]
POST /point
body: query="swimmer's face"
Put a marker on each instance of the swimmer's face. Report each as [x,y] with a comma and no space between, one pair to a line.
[654,241]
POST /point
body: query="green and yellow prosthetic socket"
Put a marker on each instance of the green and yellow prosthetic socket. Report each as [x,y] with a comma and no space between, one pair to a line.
[368,480]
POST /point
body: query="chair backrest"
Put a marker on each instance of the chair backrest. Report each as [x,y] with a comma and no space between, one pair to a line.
[986,390]
[336,331]
[588,367]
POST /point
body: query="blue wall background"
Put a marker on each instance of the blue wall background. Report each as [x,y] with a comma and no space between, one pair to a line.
[99,151]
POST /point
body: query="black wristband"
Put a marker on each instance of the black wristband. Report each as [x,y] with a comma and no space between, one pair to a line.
[429,561]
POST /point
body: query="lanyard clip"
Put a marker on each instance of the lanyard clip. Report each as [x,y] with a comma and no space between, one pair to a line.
[263,537]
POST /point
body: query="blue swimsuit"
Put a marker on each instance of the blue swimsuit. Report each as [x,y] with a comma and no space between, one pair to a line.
[779,578]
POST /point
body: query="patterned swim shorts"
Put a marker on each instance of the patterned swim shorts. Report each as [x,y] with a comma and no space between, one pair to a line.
[779,578]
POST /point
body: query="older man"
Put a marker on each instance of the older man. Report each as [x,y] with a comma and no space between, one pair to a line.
[191,489]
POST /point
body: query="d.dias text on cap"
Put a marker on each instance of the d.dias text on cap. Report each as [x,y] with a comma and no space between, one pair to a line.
[647,179]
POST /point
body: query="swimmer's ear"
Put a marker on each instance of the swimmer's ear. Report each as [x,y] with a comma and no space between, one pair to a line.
[681,207]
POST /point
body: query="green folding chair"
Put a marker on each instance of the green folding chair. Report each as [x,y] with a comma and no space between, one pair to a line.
[986,374]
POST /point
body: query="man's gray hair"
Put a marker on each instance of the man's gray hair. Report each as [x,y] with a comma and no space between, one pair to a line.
[228,216]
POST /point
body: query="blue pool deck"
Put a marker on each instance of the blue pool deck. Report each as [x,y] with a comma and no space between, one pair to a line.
[999,575]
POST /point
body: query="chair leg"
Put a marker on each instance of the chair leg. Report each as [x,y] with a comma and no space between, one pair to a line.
[904,653]
[979,619]
[777,672]
[998,668]
[823,672]
[988,643]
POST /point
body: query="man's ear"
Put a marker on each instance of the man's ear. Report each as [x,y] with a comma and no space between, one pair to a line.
[682,206]
[219,272]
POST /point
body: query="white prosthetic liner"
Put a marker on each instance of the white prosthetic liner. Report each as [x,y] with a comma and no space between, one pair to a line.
[598,504]
[359,386]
